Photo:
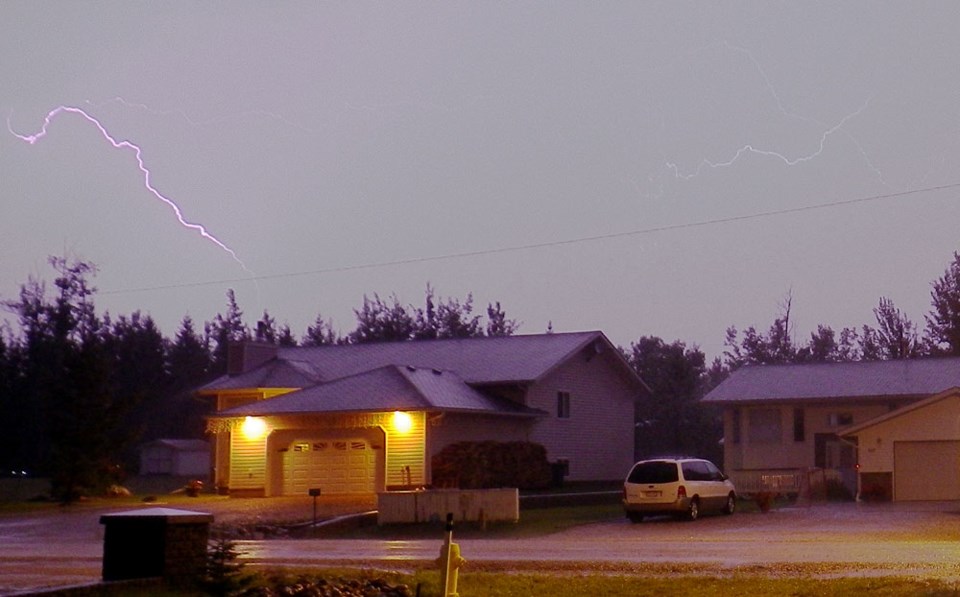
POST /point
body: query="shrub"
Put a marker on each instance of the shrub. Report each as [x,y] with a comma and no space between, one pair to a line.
[224,574]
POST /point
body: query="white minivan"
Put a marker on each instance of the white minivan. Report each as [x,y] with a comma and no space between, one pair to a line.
[684,487]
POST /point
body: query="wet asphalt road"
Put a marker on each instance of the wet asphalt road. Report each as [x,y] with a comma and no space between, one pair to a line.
[65,547]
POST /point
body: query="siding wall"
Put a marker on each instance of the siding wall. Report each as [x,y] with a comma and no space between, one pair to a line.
[598,437]
[248,462]
[224,456]
[407,450]
[939,421]
[454,427]
[785,453]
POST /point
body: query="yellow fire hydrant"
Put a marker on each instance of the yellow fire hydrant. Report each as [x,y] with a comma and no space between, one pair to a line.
[450,562]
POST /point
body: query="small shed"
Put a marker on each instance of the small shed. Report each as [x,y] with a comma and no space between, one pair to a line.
[176,457]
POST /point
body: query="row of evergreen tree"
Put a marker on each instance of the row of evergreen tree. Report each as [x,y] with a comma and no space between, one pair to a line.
[79,390]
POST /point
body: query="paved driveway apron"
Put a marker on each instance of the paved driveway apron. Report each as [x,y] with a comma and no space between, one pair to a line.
[834,539]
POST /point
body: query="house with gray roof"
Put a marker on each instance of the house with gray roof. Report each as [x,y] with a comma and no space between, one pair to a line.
[369,417]
[784,421]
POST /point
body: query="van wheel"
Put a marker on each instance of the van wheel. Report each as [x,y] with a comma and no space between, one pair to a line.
[731,506]
[635,517]
[693,510]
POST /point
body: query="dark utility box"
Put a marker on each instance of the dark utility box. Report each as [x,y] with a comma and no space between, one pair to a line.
[156,542]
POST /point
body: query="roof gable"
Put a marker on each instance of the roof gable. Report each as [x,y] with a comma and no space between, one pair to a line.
[384,389]
[855,429]
[183,445]
[286,373]
[856,380]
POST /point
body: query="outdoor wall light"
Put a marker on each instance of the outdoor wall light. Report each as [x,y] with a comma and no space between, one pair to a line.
[402,422]
[253,427]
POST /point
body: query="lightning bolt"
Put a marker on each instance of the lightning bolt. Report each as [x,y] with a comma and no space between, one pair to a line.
[198,123]
[769,153]
[138,153]
[748,148]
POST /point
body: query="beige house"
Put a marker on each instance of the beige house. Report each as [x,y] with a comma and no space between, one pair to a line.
[369,417]
[783,421]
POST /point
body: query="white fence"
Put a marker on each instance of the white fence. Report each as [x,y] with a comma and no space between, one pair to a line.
[477,505]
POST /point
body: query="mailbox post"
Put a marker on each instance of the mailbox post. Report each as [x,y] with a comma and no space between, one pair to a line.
[314,493]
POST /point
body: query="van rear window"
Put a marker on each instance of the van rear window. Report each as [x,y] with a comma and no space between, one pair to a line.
[655,471]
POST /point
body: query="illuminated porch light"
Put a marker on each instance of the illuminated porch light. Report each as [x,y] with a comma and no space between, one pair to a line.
[402,422]
[253,427]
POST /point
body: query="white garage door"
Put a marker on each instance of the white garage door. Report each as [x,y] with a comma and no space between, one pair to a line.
[341,465]
[926,470]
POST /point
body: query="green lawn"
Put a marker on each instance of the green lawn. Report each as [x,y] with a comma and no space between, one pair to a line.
[491,584]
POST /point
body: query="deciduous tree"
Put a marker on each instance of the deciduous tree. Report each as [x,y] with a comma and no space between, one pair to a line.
[378,321]
[672,419]
[896,336]
[497,322]
[943,321]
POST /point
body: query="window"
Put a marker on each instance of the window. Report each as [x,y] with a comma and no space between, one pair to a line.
[696,471]
[713,472]
[736,425]
[799,432]
[840,419]
[654,471]
[563,405]
[764,426]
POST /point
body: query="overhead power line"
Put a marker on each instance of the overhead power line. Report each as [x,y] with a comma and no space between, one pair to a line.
[543,245]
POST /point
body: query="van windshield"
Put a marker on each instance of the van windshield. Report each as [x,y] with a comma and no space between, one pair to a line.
[655,471]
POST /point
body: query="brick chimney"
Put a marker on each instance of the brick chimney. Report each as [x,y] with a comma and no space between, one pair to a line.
[244,356]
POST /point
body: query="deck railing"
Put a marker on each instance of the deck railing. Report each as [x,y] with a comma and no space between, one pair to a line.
[810,482]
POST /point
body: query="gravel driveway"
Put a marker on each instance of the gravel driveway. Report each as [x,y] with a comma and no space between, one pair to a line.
[65,547]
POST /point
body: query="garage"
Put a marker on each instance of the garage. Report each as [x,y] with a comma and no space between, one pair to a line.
[176,457]
[926,470]
[336,465]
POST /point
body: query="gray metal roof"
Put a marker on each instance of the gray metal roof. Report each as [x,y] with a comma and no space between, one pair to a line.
[186,445]
[386,388]
[861,380]
[477,361]
[274,374]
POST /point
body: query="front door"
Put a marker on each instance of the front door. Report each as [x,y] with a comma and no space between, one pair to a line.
[832,453]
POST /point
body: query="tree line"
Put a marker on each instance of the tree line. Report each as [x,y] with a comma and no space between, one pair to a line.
[895,335]
[79,390]
[673,420]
